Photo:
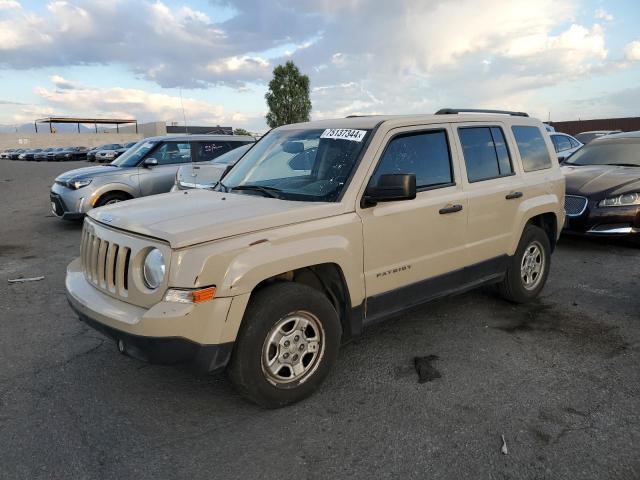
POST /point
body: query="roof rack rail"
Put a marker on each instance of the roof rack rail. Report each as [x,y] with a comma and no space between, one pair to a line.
[450,111]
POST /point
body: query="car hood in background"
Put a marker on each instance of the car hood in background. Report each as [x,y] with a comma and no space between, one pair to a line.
[600,181]
[190,217]
[90,172]
[200,174]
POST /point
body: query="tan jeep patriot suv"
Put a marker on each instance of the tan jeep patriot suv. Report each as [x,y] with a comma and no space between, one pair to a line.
[320,230]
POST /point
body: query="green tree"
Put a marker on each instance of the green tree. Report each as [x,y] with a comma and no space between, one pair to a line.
[288,96]
[240,131]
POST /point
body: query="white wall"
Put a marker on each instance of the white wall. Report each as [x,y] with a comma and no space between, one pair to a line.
[43,140]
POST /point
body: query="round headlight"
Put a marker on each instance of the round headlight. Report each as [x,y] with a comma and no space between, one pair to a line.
[154,269]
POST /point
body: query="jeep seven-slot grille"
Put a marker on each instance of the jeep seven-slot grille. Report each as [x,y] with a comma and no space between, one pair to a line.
[105,264]
[574,205]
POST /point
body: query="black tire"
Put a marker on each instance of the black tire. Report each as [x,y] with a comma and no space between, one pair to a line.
[513,287]
[268,307]
[112,197]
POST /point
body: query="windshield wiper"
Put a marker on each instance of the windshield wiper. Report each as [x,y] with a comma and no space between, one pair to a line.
[268,191]
[624,164]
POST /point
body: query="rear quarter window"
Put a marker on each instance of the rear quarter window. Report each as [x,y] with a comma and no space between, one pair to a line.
[532,147]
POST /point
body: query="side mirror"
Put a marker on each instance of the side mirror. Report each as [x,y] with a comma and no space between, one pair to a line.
[391,187]
[150,162]
[561,159]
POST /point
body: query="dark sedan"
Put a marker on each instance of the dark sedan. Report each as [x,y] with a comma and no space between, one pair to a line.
[41,156]
[91,154]
[16,154]
[71,153]
[28,154]
[6,153]
[603,187]
[51,156]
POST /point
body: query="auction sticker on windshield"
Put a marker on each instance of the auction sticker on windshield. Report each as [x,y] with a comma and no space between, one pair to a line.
[344,134]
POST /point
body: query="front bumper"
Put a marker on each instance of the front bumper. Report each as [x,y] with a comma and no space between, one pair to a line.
[601,222]
[60,206]
[166,333]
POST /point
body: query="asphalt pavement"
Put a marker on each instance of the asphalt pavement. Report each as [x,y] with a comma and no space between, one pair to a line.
[559,378]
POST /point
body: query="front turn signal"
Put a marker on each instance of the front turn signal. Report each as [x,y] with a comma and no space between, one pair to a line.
[199,295]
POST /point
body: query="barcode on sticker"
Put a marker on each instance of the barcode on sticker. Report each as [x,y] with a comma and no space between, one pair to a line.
[344,134]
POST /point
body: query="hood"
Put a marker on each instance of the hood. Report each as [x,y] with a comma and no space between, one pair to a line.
[202,174]
[190,217]
[90,172]
[600,181]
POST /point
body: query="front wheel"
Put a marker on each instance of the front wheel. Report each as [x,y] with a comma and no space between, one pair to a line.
[111,197]
[528,268]
[287,344]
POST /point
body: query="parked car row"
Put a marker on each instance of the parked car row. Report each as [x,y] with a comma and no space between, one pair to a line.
[51,154]
[103,154]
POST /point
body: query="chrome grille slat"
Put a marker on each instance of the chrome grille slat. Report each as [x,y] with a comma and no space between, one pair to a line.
[102,256]
[110,266]
[110,262]
[575,205]
[93,259]
[121,270]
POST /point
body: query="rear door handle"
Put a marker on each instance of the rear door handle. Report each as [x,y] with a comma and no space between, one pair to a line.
[451,209]
[513,195]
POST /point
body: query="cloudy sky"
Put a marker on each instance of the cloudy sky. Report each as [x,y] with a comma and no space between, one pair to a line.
[565,59]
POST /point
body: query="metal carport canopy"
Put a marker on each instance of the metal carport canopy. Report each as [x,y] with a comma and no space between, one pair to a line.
[95,121]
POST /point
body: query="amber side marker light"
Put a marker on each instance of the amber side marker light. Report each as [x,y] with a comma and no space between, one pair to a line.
[190,296]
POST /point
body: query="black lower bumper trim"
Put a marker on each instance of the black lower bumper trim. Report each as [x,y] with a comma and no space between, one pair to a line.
[167,350]
[60,209]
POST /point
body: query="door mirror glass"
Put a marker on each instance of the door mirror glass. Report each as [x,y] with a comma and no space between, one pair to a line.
[392,187]
[150,162]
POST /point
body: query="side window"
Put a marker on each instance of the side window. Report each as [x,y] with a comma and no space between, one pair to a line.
[532,148]
[426,154]
[561,142]
[485,153]
[211,150]
[574,142]
[172,152]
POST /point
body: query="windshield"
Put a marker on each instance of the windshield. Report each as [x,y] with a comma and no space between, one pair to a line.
[132,157]
[623,153]
[230,158]
[306,164]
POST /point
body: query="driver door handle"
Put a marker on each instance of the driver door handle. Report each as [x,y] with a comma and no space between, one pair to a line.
[513,195]
[451,209]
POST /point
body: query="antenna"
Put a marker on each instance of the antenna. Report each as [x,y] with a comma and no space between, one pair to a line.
[184,116]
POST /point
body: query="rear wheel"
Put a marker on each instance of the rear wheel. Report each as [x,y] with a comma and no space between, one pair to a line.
[529,267]
[287,344]
[111,198]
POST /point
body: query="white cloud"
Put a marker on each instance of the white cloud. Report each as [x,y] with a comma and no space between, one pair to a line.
[632,51]
[72,98]
[602,14]
[363,56]
[9,4]
[63,83]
